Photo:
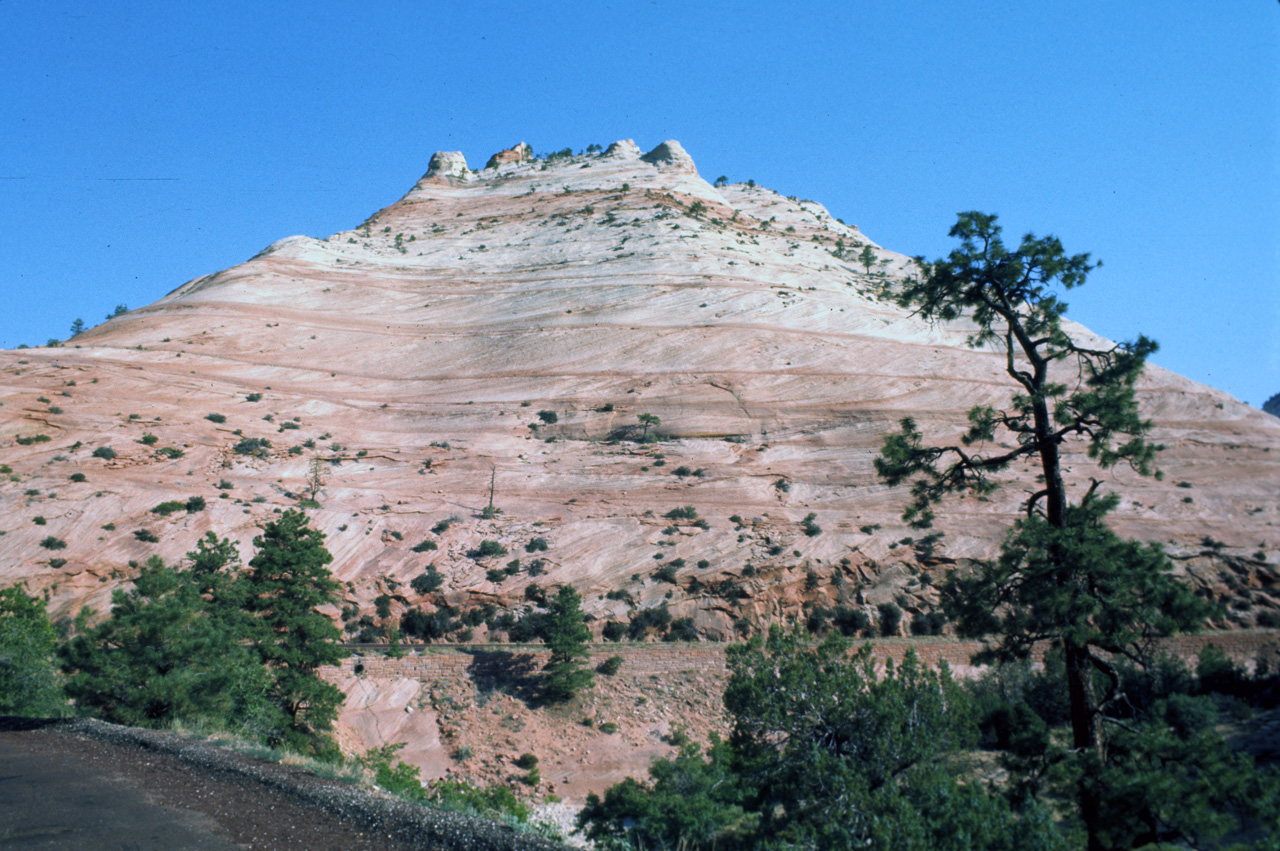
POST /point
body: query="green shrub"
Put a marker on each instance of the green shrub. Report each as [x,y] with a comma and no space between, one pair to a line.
[607,727]
[536,545]
[682,629]
[489,548]
[257,447]
[688,512]
[39,520]
[527,762]
[613,631]
[194,504]
[427,582]
[148,439]
[146,536]
[35,438]
[170,452]
[215,418]
[442,527]
[77,477]
[548,417]
[890,619]
[810,528]
[106,453]
[495,576]
[253,397]
[666,573]
[424,546]
[610,666]
[164,509]
[52,543]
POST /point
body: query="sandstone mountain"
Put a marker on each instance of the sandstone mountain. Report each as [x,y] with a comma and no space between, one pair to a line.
[495,337]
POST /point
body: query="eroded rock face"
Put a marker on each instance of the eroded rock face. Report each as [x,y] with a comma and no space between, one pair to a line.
[509,330]
[670,154]
[624,149]
[516,154]
[445,164]
[1272,405]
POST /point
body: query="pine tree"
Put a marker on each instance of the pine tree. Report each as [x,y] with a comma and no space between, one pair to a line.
[565,631]
[163,654]
[287,582]
[1062,576]
[28,678]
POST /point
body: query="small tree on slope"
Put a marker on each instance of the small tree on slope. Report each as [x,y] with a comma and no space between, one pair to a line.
[1062,575]
[565,631]
[288,581]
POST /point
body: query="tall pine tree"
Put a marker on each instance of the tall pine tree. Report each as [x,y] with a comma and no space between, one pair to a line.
[1063,576]
[288,581]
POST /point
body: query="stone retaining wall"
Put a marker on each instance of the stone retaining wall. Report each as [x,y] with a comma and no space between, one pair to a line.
[638,660]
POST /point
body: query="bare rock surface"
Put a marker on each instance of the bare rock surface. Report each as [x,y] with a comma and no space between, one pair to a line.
[502,332]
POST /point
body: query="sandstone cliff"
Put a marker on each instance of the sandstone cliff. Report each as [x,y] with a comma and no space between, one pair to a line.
[507,327]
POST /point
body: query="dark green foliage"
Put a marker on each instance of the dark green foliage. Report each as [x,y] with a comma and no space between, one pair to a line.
[424,546]
[648,421]
[488,549]
[657,619]
[495,575]
[288,581]
[824,754]
[681,629]
[526,762]
[532,625]
[39,520]
[194,504]
[536,545]
[253,397]
[166,508]
[77,477]
[810,528]
[170,452]
[613,631]
[566,635]
[1062,576]
[146,536]
[257,447]
[28,642]
[166,653]
[693,802]
[148,439]
[548,417]
[427,626]
[682,471]
[688,512]
[382,605]
[666,573]
[930,623]
[52,543]
[890,619]
[106,453]
[392,775]
[612,665]
[215,418]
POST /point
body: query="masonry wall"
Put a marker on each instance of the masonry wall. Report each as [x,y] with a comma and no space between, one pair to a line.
[1248,647]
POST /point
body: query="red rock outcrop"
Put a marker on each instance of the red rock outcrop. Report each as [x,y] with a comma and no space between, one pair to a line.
[507,329]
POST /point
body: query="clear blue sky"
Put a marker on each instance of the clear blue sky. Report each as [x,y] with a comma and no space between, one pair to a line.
[145,144]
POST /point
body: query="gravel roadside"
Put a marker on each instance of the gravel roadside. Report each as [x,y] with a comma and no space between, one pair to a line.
[234,799]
